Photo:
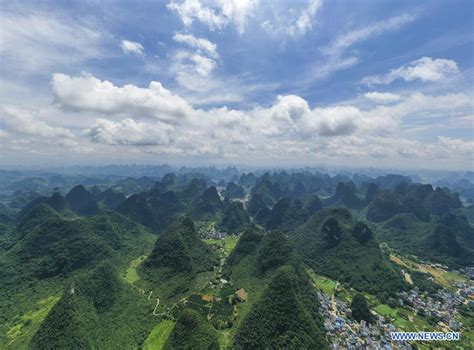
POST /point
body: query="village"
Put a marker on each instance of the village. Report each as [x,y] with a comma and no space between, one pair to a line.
[346,333]
[443,306]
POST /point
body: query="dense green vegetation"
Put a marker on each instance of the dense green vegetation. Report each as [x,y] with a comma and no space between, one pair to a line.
[192,332]
[234,191]
[235,218]
[50,245]
[333,245]
[81,201]
[45,253]
[78,269]
[178,256]
[344,197]
[286,215]
[247,244]
[275,250]
[285,317]
[207,205]
[424,282]
[447,240]
[94,312]
[360,309]
[419,200]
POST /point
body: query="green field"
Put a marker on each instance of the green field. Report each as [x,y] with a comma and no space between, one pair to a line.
[131,275]
[402,318]
[327,285]
[385,310]
[228,243]
[158,335]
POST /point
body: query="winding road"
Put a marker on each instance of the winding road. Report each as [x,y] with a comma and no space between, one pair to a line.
[156,306]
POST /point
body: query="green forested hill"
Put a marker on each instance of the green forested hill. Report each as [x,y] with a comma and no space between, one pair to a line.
[235,218]
[336,246]
[206,273]
[46,252]
[192,331]
[178,256]
[448,240]
[50,244]
[96,311]
[285,317]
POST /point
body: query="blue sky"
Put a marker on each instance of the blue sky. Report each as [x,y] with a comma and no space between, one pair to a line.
[375,83]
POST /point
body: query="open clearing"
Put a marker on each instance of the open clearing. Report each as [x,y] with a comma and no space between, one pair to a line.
[131,275]
[327,285]
[158,335]
[228,243]
[404,319]
[445,278]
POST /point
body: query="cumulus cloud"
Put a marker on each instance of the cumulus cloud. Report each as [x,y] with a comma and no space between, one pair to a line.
[193,68]
[86,92]
[201,44]
[425,69]
[132,48]
[333,121]
[129,132]
[28,123]
[216,14]
[135,117]
[381,97]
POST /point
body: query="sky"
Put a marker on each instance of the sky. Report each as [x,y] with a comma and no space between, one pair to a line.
[385,84]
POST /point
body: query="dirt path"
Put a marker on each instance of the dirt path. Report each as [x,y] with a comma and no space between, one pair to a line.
[333,301]
[408,278]
[156,307]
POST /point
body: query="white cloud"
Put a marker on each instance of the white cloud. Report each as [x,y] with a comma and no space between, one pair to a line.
[335,52]
[193,68]
[333,121]
[305,20]
[201,44]
[129,132]
[292,22]
[216,14]
[287,128]
[27,123]
[89,93]
[132,48]
[37,41]
[3,134]
[425,69]
[192,71]
[457,146]
[381,97]
[358,35]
